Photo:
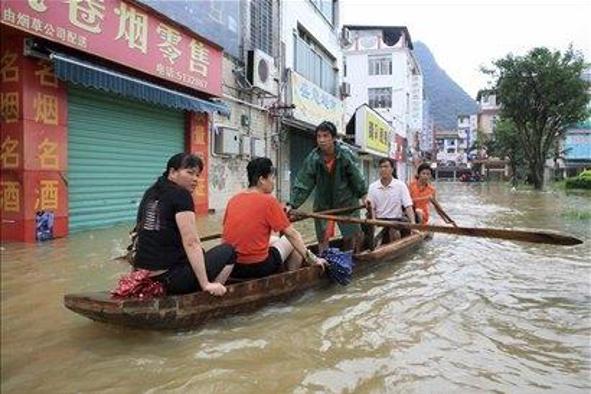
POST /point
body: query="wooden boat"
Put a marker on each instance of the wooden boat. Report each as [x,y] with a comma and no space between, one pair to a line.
[192,310]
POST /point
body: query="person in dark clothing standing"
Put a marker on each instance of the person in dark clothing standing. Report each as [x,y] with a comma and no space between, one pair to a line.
[168,244]
[333,170]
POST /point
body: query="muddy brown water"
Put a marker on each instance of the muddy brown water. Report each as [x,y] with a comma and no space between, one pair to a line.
[459,315]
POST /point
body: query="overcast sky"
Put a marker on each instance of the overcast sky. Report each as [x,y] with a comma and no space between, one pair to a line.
[463,35]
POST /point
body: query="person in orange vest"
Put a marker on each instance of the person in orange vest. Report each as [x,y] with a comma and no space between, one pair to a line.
[422,191]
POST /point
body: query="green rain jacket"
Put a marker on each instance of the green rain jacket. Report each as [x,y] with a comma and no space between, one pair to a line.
[343,188]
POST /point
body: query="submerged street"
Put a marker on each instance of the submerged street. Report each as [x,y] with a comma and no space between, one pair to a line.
[460,314]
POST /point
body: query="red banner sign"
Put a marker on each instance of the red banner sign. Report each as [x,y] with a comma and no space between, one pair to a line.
[124,33]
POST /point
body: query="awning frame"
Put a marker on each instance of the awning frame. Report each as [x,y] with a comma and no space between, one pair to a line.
[87,74]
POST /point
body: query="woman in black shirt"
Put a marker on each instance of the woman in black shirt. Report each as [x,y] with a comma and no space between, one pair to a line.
[168,244]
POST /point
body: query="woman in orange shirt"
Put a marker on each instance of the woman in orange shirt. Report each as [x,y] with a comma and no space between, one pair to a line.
[250,218]
[421,192]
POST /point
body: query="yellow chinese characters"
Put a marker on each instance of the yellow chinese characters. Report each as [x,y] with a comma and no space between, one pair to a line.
[46,108]
[171,39]
[10,196]
[199,135]
[133,27]
[200,191]
[48,198]
[87,14]
[9,107]
[45,74]
[199,58]
[48,155]
[9,156]
[8,67]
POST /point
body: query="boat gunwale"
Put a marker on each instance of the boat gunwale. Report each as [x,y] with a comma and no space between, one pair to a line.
[188,310]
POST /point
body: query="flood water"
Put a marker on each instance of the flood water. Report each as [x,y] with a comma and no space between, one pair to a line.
[460,315]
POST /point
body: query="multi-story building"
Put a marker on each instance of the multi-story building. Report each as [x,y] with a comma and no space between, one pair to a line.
[382,71]
[250,88]
[427,137]
[309,75]
[95,99]
[451,147]
[467,125]
[488,109]
[109,93]
[574,151]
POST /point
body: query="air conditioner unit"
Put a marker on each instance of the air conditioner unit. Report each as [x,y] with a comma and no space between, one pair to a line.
[258,147]
[261,71]
[245,146]
[226,141]
[346,37]
[345,89]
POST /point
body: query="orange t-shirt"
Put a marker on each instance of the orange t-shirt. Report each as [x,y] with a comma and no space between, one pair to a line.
[248,222]
[420,197]
[329,163]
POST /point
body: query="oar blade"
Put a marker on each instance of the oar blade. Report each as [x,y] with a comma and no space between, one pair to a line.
[519,235]
[514,235]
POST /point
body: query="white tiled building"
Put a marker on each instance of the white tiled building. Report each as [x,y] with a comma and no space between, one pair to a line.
[383,72]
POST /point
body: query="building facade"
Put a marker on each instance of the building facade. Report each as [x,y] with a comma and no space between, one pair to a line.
[248,131]
[467,132]
[95,97]
[383,72]
[451,148]
[309,73]
[94,101]
[427,145]
[488,109]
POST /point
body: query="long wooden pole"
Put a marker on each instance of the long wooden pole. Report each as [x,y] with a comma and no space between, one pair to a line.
[543,237]
[211,237]
[442,213]
[297,219]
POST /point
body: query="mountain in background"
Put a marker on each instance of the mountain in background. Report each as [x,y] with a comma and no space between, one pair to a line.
[447,98]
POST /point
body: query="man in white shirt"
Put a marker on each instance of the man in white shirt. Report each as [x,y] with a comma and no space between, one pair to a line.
[389,199]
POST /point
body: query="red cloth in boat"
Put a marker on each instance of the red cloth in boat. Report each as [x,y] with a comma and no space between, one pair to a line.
[138,284]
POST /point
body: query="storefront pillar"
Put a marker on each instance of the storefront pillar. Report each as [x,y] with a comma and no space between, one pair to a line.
[198,143]
[33,156]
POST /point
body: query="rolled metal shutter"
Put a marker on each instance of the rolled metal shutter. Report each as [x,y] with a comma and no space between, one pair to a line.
[116,149]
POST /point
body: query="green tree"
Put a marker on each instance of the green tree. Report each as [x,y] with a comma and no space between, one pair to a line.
[506,144]
[542,93]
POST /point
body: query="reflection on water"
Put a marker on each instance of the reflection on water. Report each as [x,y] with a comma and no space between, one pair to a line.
[461,314]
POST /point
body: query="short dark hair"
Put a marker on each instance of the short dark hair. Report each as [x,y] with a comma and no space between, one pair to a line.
[259,167]
[387,160]
[424,166]
[183,160]
[326,126]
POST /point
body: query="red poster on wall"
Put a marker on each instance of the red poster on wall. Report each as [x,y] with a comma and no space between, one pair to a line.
[124,32]
[198,144]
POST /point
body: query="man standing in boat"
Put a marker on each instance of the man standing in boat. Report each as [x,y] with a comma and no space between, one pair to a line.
[389,199]
[333,169]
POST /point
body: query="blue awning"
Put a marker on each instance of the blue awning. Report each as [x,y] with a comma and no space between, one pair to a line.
[90,75]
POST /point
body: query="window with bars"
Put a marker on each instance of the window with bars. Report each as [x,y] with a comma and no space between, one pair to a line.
[326,8]
[380,65]
[380,97]
[313,66]
[261,25]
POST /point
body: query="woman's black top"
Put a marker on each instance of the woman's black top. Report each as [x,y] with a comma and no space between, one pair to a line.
[160,244]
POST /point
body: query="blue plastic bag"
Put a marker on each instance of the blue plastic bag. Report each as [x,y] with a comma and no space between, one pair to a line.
[340,265]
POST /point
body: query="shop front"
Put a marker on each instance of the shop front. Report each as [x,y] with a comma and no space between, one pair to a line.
[95,98]
[372,134]
[312,106]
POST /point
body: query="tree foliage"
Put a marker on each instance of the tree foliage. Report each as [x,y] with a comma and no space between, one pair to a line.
[506,145]
[542,93]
